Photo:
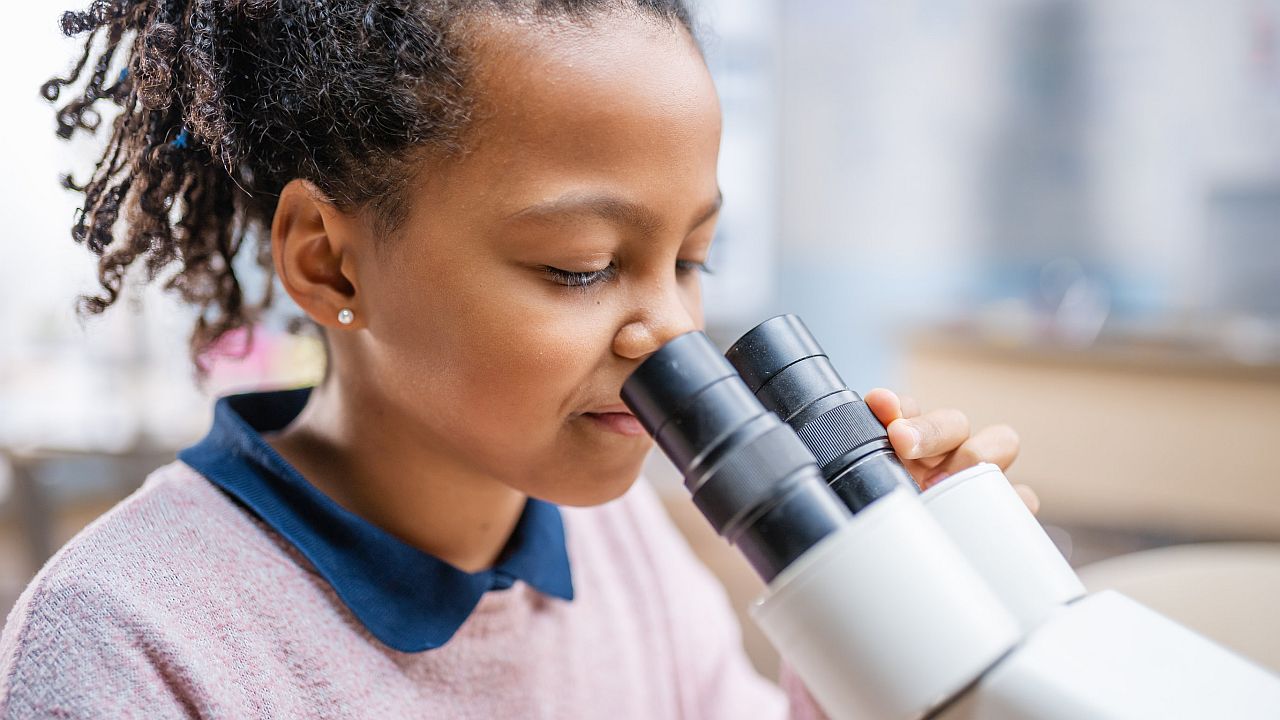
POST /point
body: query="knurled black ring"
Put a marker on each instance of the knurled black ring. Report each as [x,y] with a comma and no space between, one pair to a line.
[839,430]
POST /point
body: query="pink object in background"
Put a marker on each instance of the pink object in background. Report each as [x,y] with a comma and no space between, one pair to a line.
[242,361]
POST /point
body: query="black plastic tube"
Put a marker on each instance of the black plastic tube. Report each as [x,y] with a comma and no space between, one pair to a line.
[786,369]
[750,476]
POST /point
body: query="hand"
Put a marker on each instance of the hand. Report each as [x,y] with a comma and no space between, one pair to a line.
[936,444]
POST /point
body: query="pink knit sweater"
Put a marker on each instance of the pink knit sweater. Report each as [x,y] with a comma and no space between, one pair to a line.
[180,603]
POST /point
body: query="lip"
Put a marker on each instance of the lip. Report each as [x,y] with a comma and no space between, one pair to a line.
[617,419]
[615,408]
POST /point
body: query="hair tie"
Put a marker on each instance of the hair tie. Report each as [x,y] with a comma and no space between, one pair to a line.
[180,142]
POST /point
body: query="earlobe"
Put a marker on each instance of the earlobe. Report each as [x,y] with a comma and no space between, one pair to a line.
[311,248]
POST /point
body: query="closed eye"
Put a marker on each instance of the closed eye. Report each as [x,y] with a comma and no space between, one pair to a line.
[586,279]
[570,278]
[688,266]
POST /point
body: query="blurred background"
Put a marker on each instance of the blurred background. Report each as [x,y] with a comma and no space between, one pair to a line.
[1059,214]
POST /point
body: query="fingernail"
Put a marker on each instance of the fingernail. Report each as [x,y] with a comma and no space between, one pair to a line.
[934,479]
[915,439]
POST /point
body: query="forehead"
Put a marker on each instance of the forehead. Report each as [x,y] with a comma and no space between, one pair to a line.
[621,97]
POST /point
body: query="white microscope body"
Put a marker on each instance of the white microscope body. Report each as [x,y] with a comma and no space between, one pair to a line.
[955,605]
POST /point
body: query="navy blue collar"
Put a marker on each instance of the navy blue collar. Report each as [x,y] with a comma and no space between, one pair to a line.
[409,600]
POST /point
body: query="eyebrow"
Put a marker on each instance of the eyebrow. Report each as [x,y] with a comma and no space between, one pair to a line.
[609,207]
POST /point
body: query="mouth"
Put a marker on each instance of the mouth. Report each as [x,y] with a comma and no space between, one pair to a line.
[617,419]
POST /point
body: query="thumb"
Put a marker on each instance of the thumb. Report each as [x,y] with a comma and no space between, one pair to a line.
[886,405]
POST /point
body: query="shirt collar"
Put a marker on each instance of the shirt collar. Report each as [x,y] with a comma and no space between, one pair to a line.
[408,599]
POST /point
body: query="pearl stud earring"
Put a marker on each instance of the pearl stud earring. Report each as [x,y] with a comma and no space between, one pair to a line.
[345,316]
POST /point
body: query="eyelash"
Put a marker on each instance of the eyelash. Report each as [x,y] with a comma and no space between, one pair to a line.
[693,266]
[584,280]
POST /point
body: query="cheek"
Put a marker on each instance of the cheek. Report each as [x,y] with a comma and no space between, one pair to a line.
[489,356]
[533,361]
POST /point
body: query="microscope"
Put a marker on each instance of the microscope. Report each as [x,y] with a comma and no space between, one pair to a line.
[891,603]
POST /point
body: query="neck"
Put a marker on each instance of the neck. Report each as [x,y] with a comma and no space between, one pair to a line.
[368,459]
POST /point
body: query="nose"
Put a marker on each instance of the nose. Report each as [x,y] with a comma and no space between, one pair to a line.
[659,316]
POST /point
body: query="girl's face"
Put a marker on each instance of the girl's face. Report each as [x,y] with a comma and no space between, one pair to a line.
[536,272]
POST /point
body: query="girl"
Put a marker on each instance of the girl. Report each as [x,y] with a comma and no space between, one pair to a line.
[495,210]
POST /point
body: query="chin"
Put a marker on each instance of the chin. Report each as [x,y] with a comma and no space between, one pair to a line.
[580,487]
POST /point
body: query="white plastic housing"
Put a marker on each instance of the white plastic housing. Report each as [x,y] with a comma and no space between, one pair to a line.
[885,619]
[1108,658]
[987,520]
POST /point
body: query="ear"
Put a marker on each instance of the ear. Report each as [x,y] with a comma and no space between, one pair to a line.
[314,254]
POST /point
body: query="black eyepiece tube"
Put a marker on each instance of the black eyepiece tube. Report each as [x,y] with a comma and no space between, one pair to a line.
[790,374]
[749,474]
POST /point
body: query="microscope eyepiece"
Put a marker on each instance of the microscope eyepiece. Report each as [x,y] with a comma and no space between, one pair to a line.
[791,375]
[748,473]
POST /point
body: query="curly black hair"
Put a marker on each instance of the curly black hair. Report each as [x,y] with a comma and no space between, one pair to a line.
[222,102]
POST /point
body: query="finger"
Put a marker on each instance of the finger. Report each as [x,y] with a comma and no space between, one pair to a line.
[997,444]
[884,404]
[910,408]
[935,433]
[1029,497]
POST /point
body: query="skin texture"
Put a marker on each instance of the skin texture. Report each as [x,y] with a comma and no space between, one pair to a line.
[472,377]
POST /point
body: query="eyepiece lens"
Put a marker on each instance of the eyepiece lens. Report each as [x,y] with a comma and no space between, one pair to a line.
[790,374]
